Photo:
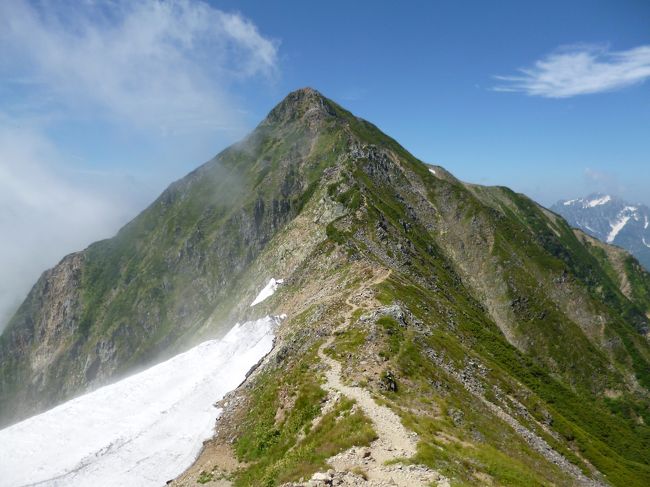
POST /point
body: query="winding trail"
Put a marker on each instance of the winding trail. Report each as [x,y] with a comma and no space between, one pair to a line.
[394,442]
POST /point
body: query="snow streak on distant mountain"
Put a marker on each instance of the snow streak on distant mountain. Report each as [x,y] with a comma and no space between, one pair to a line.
[143,430]
[611,220]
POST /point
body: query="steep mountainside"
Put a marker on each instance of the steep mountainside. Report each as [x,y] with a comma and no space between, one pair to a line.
[178,268]
[513,347]
[611,220]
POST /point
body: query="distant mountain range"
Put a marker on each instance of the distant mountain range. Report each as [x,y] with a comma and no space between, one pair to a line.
[611,220]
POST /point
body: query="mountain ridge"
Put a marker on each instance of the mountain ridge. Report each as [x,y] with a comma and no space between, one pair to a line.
[612,220]
[495,324]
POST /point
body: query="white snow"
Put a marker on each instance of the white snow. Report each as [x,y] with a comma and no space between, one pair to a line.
[598,201]
[432,171]
[646,221]
[617,226]
[645,243]
[140,431]
[268,291]
[623,217]
[584,225]
[589,203]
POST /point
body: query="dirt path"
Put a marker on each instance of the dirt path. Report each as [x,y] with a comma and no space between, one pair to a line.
[386,423]
[353,307]
[394,441]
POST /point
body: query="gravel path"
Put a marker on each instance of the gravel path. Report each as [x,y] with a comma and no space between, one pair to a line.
[394,441]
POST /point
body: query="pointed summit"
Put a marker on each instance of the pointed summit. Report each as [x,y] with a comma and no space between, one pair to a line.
[304,103]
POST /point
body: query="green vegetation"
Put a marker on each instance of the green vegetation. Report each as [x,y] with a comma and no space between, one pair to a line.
[617,446]
[282,449]
[348,342]
[335,235]
[484,277]
[424,390]
[205,477]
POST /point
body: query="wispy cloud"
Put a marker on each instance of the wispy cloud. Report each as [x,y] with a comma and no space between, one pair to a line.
[165,70]
[580,70]
[154,63]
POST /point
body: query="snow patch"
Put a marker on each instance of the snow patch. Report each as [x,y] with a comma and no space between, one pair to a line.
[597,202]
[585,226]
[268,291]
[617,226]
[142,430]
[432,171]
[589,203]
[646,221]
[645,243]
[623,217]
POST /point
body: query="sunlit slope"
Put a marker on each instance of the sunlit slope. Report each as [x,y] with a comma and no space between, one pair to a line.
[494,331]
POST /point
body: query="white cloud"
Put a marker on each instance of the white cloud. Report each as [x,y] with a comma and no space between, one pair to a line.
[166,70]
[580,70]
[158,64]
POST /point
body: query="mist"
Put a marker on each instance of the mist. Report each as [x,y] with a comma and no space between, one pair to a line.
[101,108]
[48,211]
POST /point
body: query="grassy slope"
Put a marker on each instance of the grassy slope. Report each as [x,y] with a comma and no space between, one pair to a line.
[458,256]
[556,372]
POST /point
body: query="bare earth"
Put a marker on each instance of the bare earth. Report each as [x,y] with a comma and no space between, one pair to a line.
[394,441]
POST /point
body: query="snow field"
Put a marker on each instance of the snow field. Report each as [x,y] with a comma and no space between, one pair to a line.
[140,431]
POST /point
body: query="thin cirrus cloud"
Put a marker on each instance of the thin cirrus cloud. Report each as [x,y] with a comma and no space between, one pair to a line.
[580,70]
[165,70]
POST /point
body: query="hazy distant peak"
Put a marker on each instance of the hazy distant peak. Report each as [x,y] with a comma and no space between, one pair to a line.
[590,201]
[612,220]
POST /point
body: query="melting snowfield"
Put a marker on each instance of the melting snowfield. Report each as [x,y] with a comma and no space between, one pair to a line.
[141,431]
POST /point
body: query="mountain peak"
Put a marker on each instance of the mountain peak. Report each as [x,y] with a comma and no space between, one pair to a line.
[305,103]
[612,220]
[591,201]
[305,91]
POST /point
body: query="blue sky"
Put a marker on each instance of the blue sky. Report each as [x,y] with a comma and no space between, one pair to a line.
[424,73]
[104,103]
